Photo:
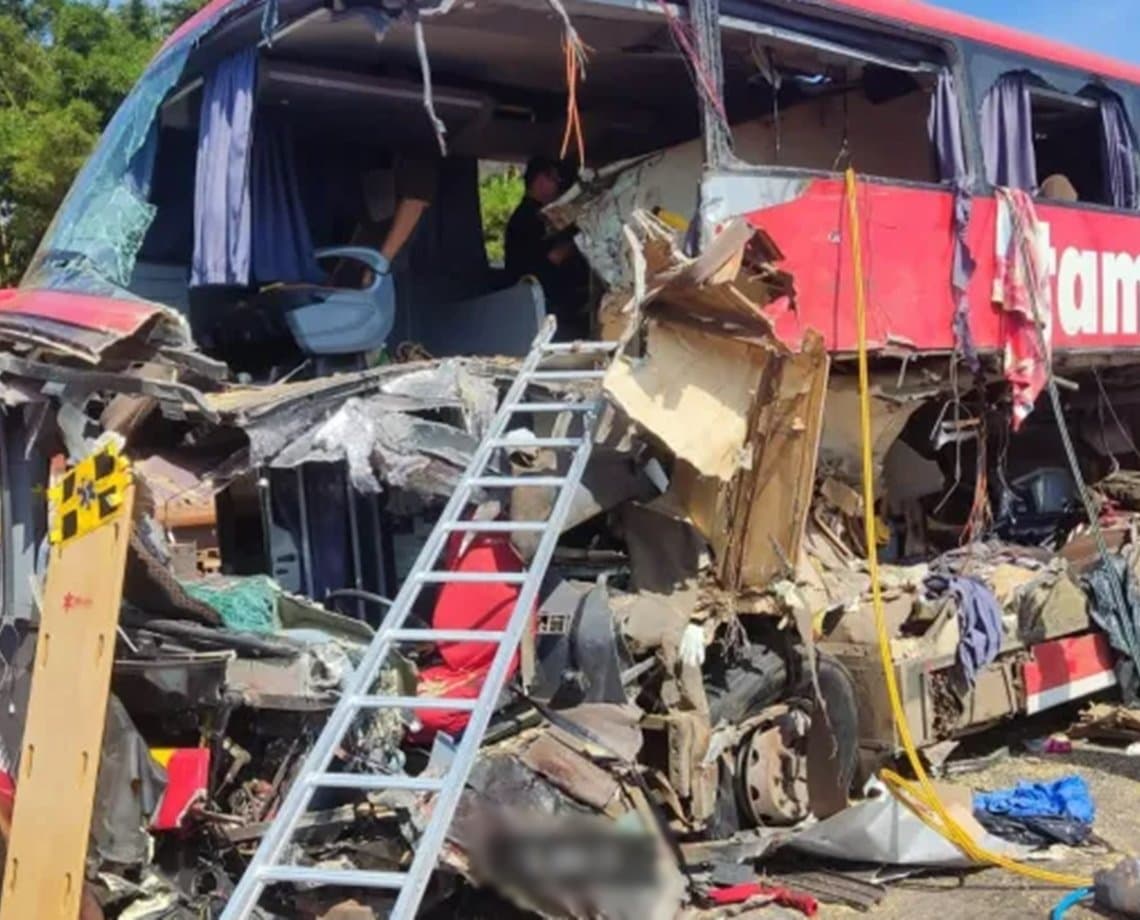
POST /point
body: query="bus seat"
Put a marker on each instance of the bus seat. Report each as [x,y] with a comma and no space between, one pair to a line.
[339,321]
[504,322]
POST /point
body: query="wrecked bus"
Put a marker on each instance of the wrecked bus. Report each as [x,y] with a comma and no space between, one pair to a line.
[215,289]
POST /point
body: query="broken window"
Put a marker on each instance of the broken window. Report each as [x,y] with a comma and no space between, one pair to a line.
[92,243]
[804,103]
[344,95]
[1065,147]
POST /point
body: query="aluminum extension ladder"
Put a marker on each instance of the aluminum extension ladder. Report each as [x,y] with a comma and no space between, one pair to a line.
[266,867]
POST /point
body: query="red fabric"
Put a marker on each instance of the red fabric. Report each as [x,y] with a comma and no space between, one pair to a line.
[476,606]
[442,680]
[785,897]
[467,606]
[1021,289]
[187,779]
[7,796]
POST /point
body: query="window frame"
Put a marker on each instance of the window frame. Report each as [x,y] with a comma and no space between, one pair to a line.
[735,18]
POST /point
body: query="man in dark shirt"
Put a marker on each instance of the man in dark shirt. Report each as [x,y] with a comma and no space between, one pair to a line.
[551,258]
[414,182]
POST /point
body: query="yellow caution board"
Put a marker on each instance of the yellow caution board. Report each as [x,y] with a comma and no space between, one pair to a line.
[88,495]
[67,704]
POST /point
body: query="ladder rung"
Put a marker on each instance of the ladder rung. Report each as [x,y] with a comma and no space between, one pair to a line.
[520,444]
[447,635]
[562,348]
[553,407]
[444,703]
[510,482]
[497,526]
[376,782]
[568,375]
[349,878]
[472,578]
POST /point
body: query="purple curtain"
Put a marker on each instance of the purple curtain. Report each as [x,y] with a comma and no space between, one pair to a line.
[1119,153]
[282,242]
[222,209]
[945,127]
[1007,134]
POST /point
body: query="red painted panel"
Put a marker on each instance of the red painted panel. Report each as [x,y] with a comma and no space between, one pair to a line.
[205,14]
[907,241]
[1067,669]
[117,317]
[907,238]
[187,780]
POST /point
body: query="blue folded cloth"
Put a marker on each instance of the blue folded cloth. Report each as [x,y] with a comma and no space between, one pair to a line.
[1068,797]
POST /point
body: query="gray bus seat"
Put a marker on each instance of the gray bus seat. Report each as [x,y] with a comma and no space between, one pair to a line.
[504,322]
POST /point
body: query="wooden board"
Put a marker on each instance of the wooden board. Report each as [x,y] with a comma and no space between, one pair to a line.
[773,495]
[63,735]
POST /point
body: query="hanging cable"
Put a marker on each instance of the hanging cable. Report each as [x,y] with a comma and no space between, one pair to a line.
[575,52]
[920,796]
[573,114]
[425,70]
[699,68]
[1124,432]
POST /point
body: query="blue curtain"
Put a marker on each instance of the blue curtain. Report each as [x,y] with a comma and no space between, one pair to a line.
[222,207]
[282,241]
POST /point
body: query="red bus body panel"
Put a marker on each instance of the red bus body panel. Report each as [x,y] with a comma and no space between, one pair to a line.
[908,249]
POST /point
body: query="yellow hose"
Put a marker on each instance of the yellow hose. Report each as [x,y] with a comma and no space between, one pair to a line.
[920,796]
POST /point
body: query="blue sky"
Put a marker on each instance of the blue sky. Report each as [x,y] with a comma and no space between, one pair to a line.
[1110,27]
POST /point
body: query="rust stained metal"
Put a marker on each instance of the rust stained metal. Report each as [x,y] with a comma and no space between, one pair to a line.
[571,772]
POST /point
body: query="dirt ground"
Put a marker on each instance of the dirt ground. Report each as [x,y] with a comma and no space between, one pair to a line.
[1114,779]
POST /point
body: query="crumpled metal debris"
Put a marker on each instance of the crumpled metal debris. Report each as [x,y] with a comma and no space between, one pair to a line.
[882,830]
[376,434]
[128,790]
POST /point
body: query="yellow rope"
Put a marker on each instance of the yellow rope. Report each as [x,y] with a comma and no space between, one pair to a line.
[920,796]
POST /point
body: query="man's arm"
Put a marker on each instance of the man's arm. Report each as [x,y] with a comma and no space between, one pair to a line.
[416,181]
[404,222]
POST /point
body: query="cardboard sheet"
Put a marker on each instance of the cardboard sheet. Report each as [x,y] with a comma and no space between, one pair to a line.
[692,393]
[743,422]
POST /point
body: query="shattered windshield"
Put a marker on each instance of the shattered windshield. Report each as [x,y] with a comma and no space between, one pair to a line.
[95,237]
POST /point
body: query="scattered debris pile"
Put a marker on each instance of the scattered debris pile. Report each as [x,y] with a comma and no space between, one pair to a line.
[702,687]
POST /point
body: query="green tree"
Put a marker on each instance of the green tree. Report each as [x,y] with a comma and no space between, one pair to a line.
[66,66]
[499,195]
